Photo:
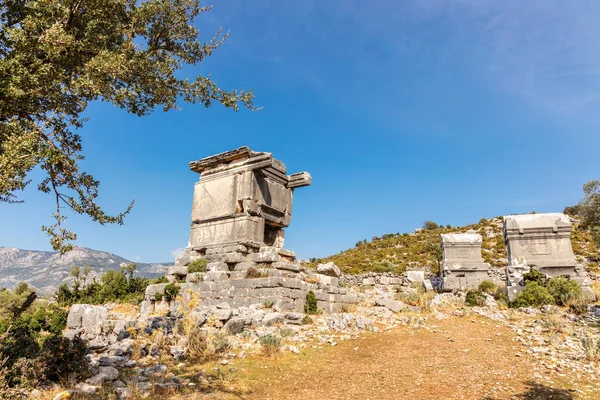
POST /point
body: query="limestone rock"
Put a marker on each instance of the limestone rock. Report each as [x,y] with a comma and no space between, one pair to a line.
[84,388]
[286,266]
[217,266]
[329,269]
[266,254]
[415,276]
[87,318]
[392,305]
[64,395]
[123,393]
[177,352]
[272,318]
[236,324]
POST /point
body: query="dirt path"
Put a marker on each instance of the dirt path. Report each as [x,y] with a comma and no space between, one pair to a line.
[458,358]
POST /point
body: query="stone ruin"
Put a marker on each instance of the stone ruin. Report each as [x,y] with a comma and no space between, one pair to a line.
[462,264]
[241,205]
[541,241]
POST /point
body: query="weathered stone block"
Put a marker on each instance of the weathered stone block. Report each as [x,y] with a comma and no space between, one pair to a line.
[215,276]
[329,269]
[178,270]
[368,282]
[266,254]
[286,266]
[217,266]
[194,277]
[152,290]
[415,276]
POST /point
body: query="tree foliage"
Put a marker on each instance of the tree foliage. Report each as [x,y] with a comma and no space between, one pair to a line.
[56,56]
[589,207]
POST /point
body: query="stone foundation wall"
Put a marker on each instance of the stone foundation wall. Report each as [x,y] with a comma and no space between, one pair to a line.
[289,294]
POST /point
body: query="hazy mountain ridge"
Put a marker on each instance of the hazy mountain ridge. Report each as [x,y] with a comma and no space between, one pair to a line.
[46,270]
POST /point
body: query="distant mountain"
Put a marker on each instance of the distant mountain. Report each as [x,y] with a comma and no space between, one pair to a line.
[46,270]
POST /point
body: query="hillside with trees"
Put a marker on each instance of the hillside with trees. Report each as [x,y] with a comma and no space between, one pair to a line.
[397,252]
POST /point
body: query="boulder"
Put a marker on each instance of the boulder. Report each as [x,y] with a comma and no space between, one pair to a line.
[272,318]
[236,325]
[110,373]
[84,388]
[177,352]
[427,285]
[329,269]
[392,305]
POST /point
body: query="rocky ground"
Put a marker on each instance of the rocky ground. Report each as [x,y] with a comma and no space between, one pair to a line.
[427,346]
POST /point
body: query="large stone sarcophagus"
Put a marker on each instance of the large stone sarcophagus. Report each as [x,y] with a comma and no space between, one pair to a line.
[241,204]
[462,264]
[540,241]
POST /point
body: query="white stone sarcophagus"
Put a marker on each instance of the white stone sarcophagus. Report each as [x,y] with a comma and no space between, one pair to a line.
[462,264]
[242,202]
[241,205]
[540,241]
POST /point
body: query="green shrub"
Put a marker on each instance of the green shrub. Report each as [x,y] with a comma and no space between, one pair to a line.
[534,276]
[596,236]
[198,265]
[430,225]
[253,273]
[171,291]
[563,290]
[271,344]
[534,295]
[114,286]
[475,298]
[307,320]
[311,303]
[488,287]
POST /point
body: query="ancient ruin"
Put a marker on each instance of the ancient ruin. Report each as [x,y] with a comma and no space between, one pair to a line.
[241,205]
[541,241]
[462,264]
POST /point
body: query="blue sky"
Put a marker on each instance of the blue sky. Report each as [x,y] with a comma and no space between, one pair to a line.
[401,111]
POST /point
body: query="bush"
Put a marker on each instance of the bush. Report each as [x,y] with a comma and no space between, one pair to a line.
[475,298]
[563,290]
[271,344]
[114,286]
[198,265]
[171,291]
[534,295]
[596,236]
[311,303]
[534,276]
[202,347]
[33,351]
[488,287]
[430,225]
[253,273]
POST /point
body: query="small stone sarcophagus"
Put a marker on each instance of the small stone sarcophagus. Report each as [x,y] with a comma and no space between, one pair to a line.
[462,264]
[541,241]
[242,202]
